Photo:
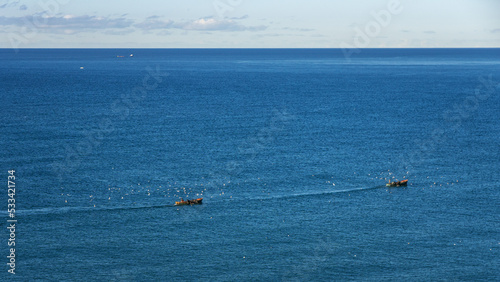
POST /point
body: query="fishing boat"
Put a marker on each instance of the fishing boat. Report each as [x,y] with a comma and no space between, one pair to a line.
[189,202]
[397,183]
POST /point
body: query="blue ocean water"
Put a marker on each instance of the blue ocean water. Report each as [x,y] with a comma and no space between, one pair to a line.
[290,149]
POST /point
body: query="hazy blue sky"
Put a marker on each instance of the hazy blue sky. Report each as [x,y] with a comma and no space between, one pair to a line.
[249,23]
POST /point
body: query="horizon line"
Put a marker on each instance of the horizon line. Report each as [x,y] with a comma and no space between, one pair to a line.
[291,48]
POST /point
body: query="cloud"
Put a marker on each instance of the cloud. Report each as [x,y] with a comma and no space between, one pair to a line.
[153,23]
[55,24]
[23,7]
[298,29]
[239,18]
[430,32]
[496,30]
[203,24]
[70,24]
[9,4]
[88,22]
[211,24]
[119,31]
[256,28]
[275,34]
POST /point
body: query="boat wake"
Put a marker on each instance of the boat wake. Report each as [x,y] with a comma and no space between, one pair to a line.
[319,193]
[63,210]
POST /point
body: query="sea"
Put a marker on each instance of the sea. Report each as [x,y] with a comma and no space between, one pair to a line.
[290,149]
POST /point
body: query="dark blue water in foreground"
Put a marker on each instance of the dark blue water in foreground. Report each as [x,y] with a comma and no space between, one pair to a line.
[290,150]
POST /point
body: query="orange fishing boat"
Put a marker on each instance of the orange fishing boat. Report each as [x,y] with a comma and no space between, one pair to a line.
[397,183]
[189,202]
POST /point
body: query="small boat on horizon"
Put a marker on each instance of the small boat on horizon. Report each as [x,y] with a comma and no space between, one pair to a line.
[397,183]
[189,202]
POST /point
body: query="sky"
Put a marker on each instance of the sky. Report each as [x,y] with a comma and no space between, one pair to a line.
[249,23]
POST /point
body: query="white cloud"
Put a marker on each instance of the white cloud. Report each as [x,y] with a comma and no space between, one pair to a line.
[65,23]
[119,25]
[203,24]
[211,24]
